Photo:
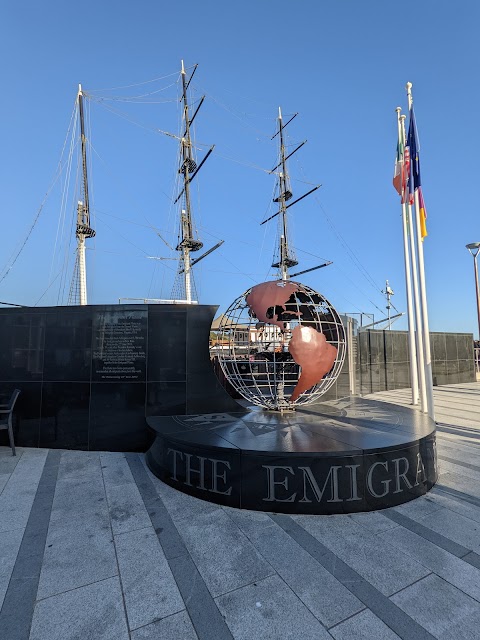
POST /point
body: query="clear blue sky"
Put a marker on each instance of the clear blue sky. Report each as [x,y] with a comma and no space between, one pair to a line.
[341,64]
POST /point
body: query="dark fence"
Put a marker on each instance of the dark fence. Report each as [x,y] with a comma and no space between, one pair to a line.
[383,359]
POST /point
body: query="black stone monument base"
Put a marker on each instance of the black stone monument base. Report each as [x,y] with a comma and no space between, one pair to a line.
[339,457]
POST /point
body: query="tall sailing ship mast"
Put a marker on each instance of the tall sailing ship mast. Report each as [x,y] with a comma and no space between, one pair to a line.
[184,287]
[78,289]
[286,253]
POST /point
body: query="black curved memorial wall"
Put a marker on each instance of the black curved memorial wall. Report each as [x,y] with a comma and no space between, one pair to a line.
[89,376]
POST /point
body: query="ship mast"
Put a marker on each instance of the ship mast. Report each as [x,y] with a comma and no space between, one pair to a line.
[286,254]
[83,229]
[187,241]
[184,288]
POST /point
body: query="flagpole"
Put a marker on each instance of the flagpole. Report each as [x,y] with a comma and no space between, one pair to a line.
[416,298]
[423,291]
[418,316]
[408,281]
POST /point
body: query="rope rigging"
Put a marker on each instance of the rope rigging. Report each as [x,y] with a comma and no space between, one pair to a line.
[62,246]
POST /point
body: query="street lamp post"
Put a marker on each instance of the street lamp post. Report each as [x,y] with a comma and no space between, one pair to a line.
[474,248]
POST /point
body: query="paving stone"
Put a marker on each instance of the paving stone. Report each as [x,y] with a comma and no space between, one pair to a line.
[149,588]
[442,609]
[421,506]
[455,527]
[203,612]
[452,569]
[387,568]
[325,597]
[126,508]
[18,494]
[8,462]
[249,521]
[374,521]
[363,626]
[451,467]
[460,482]
[9,545]
[180,505]
[269,610]
[79,528]
[461,453]
[94,612]
[465,509]
[74,558]
[224,556]
[175,627]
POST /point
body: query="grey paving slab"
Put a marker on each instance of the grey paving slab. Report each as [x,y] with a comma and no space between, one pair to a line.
[74,558]
[9,545]
[175,627]
[149,588]
[93,612]
[445,611]
[455,494]
[421,506]
[126,508]
[201,608]
[82,532]
[452,569]
[78,466]
[206,618]
[363,626]
[180,505]
[324,595]
[454,526]
[427,533]
[379,604]
[19,492]
[463,468]
[249,521]
[224,556]
[268,610]
[473,559]
[457,505]
[91,507]
[7,465]
[460,453]
[387,568]
[17,609]
[374,521]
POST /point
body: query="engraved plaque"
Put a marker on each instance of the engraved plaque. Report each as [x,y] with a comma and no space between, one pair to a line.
[119,346]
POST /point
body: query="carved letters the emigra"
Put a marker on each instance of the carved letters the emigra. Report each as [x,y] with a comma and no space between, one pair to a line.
[306,484]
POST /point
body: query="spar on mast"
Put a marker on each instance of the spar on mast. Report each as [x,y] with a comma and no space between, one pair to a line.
[286,254]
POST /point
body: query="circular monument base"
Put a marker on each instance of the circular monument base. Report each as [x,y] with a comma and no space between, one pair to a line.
[337,457]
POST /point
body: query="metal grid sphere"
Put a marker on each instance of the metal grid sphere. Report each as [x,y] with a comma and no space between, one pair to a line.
[254,354]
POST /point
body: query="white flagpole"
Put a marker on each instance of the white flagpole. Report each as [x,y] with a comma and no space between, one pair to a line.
[416,297]
[408,281]
[423,293]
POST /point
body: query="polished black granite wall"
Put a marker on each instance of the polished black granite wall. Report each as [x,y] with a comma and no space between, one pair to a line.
[383,359]
[90,375]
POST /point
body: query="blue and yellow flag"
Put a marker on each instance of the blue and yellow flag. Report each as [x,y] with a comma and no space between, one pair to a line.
[415,181]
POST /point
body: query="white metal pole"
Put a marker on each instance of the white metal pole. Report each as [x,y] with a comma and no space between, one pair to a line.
[423,293]
[186,268]
[82,274]
[408,281]
[416,299]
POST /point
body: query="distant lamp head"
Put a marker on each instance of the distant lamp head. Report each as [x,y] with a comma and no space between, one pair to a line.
[474,248]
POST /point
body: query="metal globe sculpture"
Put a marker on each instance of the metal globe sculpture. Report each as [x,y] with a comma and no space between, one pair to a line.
[283,345]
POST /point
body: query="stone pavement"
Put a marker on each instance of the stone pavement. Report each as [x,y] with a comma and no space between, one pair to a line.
[93,547]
